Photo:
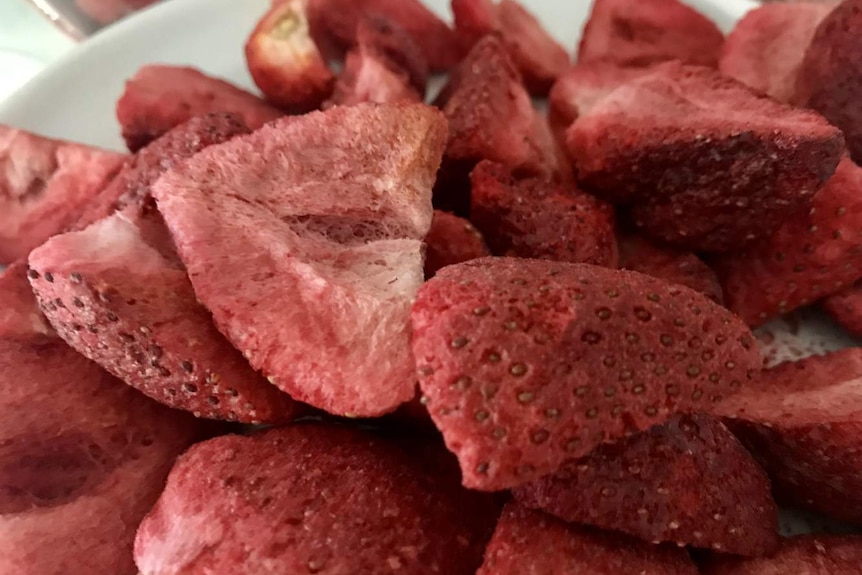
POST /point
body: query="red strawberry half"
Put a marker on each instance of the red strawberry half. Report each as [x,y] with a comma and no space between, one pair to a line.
[538,218]
[47,184]
[531,542]
[688,481]
[846,308]
[315,499]
[160,97]
[802,423]
[526,364]
[811,255]
[310,266]
[451,240]
[804,555]
[706,163]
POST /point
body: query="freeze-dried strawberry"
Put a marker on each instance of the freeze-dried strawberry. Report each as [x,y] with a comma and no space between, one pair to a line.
[310,266]
[120,302]
[315,499]
[161,97]
[394,45]
[649,31]
[818,554]
[766,48]
[285,62]
[539,218]
[338,20]
[537,55]
[19,311]
[674,266]
[531,542]
[451,240]
[367,78]
[828,80]
[688,482]
[527,364]
[45,185]
[845,307]
[802,423]
[706,163]
[811,255]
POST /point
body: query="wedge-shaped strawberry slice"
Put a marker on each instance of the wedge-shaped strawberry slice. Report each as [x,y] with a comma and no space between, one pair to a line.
[688,482]
[366,78]
[766,48]
[647,32]
[450,241]
[828,81]
[395,46]
[19,311]
[285,62]
[304,240]
[47,185]
[802,423]
[672,265]
[160,97]
[537,55]
[846,308]
[315,499]
[803,555]
[121,302]
[539,218]
[531,542]
[706,163]
[526,364]
[811,255]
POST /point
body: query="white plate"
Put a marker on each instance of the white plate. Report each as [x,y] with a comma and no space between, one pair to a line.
[74,99]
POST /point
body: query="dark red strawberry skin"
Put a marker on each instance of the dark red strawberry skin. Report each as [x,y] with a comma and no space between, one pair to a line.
[526,364]
[805,554]
[451,240]
[846,308]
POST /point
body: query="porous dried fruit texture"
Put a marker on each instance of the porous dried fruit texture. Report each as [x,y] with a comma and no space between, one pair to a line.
[337,21]
[706,163]
[802,423]
[540,58]
[530,542]
[19,312]
[116,299]
[845,307]
[451,240]
[285,62]
[803,555]
[649,31]
[526,364]
[828,80]
[314,499]
[539,218]
[45,185]
[766,48]
[688,482]
[812,255]
[159,98]
[672,265]
[304,240]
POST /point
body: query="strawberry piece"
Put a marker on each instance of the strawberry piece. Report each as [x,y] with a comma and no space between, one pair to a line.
[526,364]
[649,31]
[706,163]
[159,98]
[310,267]
[19,312]
[766,48]
[539,58]
[818,554]
[338,20]
[47,184]
[285,62]
[366,78]
[120,302]
[811,255]
[846,308]
[450,241]
[828,80]
[688,482]
[801,422]
[539,218]
[379,505]
[531,542]
[674,266]
[395,46]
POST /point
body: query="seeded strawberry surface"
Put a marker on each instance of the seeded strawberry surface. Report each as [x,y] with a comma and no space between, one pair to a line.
[451,240]
[846,308]
[526,364]
[819,554]
[19,311]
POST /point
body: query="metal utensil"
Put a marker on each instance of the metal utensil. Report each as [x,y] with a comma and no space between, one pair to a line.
[83,18]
